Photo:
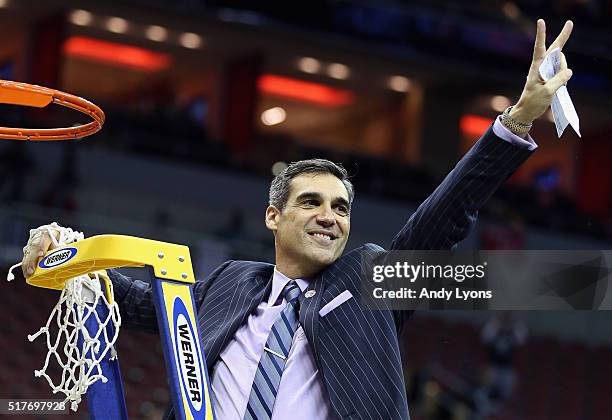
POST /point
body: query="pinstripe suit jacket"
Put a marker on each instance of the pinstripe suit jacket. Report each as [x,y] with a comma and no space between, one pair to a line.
[356,350]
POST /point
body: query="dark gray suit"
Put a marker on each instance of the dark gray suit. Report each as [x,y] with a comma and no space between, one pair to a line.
[357,351]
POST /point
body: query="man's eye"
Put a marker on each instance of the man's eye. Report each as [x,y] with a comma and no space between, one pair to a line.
[311,203]
[343,210]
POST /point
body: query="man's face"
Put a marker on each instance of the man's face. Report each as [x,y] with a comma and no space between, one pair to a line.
[312,230]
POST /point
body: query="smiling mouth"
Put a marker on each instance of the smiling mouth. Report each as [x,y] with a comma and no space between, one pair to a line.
[325,236]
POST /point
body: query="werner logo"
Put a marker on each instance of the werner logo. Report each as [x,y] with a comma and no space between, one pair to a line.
[58,257]
[189,360]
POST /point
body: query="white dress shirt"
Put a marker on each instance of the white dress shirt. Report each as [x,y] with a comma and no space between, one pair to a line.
[301,394]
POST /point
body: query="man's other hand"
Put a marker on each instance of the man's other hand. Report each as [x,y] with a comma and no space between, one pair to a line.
[537,93]
[39,244]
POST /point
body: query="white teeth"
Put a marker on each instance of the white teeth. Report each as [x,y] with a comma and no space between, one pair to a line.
[322,235]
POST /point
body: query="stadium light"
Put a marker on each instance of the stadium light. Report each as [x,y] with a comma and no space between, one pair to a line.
[399,83]
[309,65]
[117,25]
[511,10]
[474,125]
[156,33]
[190,40]
[338,71]
[273,116]
[499,103]
[301,90]
[81,17]
[112,53]
[278,167]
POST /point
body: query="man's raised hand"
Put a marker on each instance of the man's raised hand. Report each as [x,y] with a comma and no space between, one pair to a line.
[537,93]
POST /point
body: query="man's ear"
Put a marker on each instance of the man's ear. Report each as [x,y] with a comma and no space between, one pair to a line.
[272,215]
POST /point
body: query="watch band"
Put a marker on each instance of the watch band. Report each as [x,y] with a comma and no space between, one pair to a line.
[518,128]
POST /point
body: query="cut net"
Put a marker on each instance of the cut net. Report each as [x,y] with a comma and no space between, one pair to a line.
[82,328]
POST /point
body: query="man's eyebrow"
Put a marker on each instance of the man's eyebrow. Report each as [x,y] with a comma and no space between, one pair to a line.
[308,195]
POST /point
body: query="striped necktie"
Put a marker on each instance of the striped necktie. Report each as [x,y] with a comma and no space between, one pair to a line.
[273,359]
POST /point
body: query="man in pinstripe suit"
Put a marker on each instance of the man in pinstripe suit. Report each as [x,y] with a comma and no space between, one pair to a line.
[342,360]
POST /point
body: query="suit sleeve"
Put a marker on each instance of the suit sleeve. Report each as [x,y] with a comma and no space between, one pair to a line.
[200,288]
[449,213]
[135,299]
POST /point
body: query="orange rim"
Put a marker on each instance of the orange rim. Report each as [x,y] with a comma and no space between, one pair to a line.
[23,94]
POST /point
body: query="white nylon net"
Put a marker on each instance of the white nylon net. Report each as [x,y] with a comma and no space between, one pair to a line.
[73,347]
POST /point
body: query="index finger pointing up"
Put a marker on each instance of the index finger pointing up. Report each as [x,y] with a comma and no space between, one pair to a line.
[539,48]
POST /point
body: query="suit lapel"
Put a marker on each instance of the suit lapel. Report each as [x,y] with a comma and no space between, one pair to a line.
[327,285]
[309,314]
[220,323]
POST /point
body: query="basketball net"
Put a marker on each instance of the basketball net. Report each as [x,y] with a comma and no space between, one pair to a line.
[85,335]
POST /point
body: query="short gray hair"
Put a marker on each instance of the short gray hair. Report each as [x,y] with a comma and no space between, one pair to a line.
[279,188]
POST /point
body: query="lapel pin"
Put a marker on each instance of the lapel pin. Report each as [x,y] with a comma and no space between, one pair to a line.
[310,293]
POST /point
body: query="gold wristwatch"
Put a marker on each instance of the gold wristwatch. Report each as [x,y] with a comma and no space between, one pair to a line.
[518,128]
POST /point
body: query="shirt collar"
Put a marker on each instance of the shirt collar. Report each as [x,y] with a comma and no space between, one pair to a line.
[279,281]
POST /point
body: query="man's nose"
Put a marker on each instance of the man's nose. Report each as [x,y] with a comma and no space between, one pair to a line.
[326,217]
